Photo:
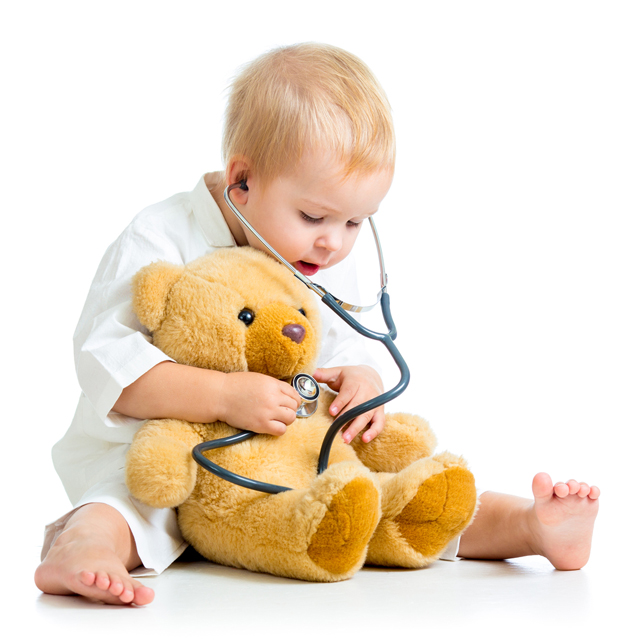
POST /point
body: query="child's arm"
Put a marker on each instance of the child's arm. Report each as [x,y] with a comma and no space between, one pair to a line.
[355,385]
[244,400]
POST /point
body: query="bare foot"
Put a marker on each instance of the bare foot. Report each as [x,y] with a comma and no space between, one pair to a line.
[87,561]
[562,519]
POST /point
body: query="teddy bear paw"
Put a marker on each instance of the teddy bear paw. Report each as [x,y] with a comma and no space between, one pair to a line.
[160,472]
[441,509]
[339,543]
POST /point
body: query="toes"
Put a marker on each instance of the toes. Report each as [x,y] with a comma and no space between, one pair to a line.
[542,486]
[574,487]
[102,581]
[143,595]
[127,594]
[131,592]
[87,578]
[584,490]
[116,588]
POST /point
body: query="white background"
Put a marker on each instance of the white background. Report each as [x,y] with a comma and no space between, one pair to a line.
[510,233]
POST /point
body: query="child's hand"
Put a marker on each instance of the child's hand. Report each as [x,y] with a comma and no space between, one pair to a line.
[355,385]
[258,403]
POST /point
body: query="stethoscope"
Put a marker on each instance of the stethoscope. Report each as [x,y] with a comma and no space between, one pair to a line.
[304,384]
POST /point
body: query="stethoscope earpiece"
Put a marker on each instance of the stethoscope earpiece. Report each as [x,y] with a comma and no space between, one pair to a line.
[243,185]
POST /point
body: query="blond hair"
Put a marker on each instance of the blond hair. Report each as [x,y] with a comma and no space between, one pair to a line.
[308,96]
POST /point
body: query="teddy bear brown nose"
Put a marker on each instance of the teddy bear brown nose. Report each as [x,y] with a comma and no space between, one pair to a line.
[294,331]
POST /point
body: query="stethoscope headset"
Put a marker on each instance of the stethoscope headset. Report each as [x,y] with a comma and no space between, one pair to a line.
[304,384]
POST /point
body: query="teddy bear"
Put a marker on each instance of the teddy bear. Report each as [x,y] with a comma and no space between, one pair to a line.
[390,502]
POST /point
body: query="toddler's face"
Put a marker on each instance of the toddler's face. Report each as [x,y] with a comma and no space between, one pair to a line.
[312,215]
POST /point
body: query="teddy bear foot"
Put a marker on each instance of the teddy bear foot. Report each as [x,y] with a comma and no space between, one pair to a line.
[340,541]
[414,535]
[451,498]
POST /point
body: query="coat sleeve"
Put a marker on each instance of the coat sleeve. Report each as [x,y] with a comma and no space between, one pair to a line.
[111,348]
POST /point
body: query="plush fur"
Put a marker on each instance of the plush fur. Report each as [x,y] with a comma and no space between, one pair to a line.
[390,502]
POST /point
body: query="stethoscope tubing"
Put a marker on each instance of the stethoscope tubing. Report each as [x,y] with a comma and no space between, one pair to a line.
[225,474]
[387,340]
[341,308]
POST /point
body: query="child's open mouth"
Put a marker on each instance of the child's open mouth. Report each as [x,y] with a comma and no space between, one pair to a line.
[306,268]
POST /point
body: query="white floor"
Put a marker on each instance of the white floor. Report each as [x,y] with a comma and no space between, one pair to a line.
[519,599]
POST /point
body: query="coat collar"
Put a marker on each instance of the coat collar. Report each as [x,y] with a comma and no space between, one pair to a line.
[209,217]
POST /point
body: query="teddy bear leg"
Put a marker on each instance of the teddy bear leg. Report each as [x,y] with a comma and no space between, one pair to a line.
[160,470]
[318,534]
[423,508]
[405,439]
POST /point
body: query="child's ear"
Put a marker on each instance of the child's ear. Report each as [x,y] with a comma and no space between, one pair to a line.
[150,288]
[238,169]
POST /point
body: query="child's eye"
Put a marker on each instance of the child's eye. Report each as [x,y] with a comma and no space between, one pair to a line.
[309,218]
[351,223]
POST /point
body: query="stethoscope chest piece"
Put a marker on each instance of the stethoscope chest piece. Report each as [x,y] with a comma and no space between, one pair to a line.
[308,390]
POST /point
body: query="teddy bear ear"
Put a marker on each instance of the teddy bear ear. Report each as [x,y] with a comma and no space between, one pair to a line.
[150,288]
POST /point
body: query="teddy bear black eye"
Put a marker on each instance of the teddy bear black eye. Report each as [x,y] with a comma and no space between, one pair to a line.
[303,312]
[246,316]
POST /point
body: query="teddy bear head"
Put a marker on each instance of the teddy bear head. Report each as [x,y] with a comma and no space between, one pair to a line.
[232,310]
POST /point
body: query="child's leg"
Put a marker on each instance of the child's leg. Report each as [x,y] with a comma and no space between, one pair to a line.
[557,524]
[92,557]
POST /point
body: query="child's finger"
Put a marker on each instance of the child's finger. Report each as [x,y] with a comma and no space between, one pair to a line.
[328,376]
[323,374]
[289,394]
[356,427]
[376,426]
[344,397]
[275,428]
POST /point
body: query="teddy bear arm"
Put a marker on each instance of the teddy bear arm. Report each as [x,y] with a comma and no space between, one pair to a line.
[160,470]
[404,439]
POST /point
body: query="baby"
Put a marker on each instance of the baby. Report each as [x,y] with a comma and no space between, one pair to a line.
[309,131]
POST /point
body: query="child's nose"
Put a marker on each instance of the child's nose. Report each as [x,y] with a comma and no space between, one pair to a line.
[330,241]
